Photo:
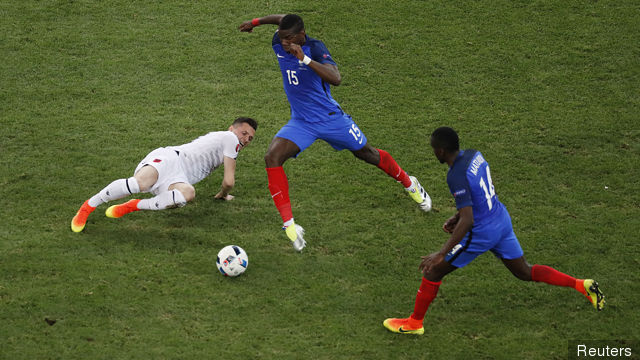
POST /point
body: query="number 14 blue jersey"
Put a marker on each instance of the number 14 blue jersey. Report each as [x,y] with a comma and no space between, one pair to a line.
[469,181]
[309,96]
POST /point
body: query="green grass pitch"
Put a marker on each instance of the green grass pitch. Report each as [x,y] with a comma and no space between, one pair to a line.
[547,90]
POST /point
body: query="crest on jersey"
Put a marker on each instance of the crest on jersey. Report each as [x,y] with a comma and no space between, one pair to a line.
[459,192]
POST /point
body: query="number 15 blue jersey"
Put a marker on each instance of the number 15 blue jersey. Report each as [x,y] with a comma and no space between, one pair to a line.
[309,96]
[469,181]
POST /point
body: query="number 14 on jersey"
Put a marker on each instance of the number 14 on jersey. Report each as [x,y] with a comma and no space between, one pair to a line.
[489,189]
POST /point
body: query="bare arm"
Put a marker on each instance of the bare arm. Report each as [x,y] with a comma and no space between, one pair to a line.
[327,72]
[462,227]
[464,224]
[248,25]
[451,222]
[228,180]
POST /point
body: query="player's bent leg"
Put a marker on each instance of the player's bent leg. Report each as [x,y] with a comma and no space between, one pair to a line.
[519,267]
[541,273]
[146,177]
[368,154]
[426,294]
[115,190]
[165,200]
[187,190]
[278,152]
[384,161]
[278,185]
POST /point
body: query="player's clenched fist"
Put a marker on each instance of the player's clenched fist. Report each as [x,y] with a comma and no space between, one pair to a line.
[450,224]
[296,50]
[246,26]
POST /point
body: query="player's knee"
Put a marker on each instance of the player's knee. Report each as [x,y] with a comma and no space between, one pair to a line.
[189,193]
[146,177]
[368,154]
[437,271]
[271,159]
[433,275]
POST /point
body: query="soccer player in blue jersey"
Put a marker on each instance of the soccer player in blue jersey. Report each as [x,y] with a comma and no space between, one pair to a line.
[481,224]
[308,70]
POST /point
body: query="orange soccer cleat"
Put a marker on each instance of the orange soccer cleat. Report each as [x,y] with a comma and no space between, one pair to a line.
[121,210]
[404,326]
[80,220]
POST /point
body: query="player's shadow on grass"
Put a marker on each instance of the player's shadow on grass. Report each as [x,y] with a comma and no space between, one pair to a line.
[172,230]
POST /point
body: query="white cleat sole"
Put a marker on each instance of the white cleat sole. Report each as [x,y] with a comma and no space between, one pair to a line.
[425,205]
[299,243]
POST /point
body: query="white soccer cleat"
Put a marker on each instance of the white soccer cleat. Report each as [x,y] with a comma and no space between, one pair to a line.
[419,195]
[295,233]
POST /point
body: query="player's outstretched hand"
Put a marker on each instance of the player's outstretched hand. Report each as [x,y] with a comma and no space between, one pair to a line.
[246,26]
[226,198]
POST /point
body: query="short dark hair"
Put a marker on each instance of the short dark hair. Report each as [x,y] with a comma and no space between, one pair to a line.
[445,138]
[292,22]
[248,120]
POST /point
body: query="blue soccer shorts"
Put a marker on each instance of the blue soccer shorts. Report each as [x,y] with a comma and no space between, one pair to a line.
[496,236]
[338,130]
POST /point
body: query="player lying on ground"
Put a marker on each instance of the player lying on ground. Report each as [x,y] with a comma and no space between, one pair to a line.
[481,224]
[170,172]
[307,73]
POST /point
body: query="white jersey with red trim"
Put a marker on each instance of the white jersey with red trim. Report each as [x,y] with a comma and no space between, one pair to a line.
[206,153]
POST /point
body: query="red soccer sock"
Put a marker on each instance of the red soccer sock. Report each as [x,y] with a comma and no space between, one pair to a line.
[549,275]
[427,292]
[279,188]
[391,167]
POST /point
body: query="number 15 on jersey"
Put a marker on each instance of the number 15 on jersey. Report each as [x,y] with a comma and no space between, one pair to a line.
[292,77]
[356,133]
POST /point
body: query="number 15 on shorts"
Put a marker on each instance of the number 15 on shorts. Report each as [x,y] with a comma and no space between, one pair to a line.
[357,135]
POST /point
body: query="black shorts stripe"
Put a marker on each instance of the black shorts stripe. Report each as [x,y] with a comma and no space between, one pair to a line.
[173,193]
[128,188]
[464,248]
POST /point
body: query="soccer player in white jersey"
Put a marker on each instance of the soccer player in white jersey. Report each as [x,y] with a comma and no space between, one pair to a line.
[170,172]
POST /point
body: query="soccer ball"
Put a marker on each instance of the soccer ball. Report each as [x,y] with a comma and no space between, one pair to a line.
[232,260]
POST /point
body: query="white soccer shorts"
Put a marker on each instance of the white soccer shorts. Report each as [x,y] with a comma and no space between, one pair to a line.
[167,162]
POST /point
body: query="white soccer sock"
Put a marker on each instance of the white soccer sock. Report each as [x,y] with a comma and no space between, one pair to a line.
[114,191]
[165,200]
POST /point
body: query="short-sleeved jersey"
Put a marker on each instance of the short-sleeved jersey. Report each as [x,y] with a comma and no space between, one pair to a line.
[469,180]
[206,153]
[309,95]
